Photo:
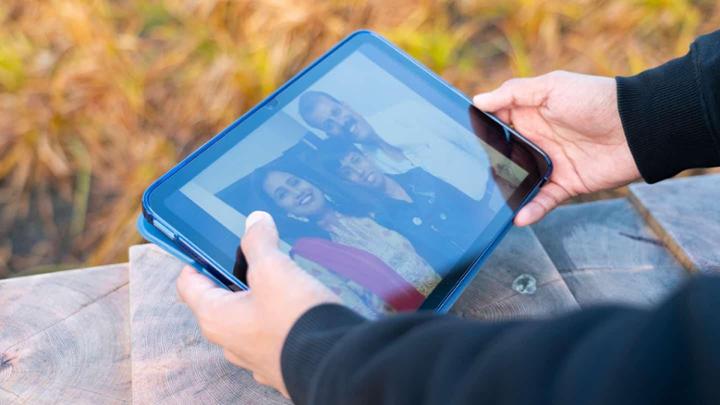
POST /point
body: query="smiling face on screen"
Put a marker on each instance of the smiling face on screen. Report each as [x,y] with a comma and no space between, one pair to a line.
[357,168]
[293,194]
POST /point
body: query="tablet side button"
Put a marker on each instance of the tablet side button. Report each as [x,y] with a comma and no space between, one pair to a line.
[164,230]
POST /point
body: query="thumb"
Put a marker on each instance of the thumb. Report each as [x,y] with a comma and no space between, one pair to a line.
[523,92]
[260,238]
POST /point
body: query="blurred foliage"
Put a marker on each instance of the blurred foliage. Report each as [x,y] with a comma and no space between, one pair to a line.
[100,97]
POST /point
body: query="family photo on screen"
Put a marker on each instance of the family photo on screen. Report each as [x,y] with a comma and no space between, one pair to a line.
[376,191]
[368,209]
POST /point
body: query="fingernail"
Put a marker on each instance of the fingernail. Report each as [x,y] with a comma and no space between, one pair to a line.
[255,217]
[478,97]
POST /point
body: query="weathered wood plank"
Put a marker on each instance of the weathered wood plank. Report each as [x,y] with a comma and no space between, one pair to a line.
[518,280]
[64,338]
[686,215]
[171,361]
[606,253]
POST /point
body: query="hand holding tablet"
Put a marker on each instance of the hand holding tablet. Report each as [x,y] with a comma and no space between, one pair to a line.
[385,183]
[280,293]
[583,134]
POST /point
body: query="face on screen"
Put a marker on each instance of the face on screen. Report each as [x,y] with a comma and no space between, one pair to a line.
[358,169]
[293,194]
[380,229]
[322,111]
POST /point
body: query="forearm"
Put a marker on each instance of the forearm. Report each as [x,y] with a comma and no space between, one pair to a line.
[671,114]
[606,355]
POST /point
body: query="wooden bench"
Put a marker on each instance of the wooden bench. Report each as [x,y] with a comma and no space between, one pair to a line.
[117,334]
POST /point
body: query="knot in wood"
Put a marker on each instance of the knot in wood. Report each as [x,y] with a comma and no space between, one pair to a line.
[6,361]
[525,284]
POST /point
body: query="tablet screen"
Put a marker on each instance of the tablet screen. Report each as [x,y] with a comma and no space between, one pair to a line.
[381,183]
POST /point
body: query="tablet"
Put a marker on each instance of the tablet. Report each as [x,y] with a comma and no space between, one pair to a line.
[386,184]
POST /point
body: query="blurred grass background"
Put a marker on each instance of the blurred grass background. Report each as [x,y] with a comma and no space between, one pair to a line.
[98,98]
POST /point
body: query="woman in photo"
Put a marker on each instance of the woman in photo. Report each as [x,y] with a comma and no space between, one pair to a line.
[306,211]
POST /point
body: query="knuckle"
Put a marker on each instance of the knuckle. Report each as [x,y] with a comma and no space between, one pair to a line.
[206,332]
[273,261]
[557,74]
[259,378]
[211,331]
[510,83]
[545,201]
[180,290]
[182,283]
[206,322]
[248,241]
[228,355]
[203,308]
[267,263]
[253,278]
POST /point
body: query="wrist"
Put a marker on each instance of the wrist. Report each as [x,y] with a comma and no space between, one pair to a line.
[663,120]
[625,164]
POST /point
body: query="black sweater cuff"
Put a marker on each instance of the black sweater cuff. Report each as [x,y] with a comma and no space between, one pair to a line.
[308,344]
[665,121]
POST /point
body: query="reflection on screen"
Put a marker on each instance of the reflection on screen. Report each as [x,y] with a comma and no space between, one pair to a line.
[375,192]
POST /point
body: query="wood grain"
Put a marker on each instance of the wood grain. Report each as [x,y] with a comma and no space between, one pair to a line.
[171,361]
[519,280]
[64,338]
[686,215]
[607,253]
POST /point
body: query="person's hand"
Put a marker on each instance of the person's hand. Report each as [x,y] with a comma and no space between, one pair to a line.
[574,118]
[251,326]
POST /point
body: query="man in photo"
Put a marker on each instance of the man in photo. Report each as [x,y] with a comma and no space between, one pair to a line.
[403,136]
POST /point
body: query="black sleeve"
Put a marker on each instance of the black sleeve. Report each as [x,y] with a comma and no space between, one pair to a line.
[671,114]
[609,355]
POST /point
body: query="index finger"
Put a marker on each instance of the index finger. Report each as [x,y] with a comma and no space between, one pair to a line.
[193,287]
[519,92]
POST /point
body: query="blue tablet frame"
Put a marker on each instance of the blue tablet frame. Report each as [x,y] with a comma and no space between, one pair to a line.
[164,234]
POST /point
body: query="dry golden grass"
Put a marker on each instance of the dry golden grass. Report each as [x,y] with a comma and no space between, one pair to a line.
[98,98]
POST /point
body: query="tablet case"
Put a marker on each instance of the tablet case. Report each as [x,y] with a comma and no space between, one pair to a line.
[153,235]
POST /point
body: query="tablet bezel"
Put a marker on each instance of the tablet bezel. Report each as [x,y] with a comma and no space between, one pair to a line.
[458,277]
